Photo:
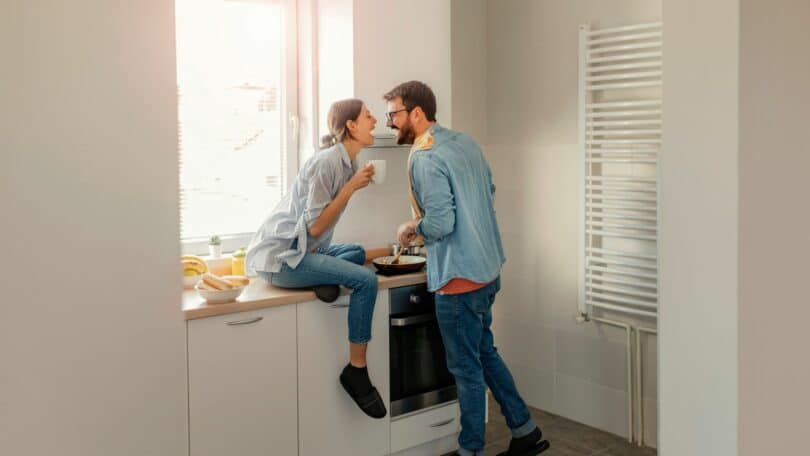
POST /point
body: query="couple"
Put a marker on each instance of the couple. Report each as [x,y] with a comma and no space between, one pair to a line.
[452,195]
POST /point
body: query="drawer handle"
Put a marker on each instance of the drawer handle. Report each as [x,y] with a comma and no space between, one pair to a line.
[442,423]
[244,322]
[338,306]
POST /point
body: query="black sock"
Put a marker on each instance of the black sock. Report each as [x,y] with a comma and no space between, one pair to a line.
[357,378]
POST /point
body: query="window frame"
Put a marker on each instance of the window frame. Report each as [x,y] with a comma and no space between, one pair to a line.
[289,129]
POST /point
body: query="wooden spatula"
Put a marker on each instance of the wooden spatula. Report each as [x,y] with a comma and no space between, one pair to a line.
[399,254]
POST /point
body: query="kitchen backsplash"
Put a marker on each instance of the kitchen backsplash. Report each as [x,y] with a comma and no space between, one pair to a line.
[375,212]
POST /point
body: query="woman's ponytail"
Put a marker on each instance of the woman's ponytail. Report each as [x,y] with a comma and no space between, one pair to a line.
[339,113]
[328,141]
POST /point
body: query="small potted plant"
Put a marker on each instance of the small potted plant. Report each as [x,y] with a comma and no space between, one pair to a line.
[215,246]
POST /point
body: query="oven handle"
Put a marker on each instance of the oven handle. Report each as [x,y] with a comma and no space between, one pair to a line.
[413,320]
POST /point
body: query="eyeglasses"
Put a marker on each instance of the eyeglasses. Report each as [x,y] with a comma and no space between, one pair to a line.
[389,116]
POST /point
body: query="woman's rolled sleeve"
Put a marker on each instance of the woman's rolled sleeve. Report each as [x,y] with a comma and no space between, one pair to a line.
[320,194]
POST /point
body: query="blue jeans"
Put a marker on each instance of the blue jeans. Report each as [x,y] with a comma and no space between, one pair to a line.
[464,322]
[339,264]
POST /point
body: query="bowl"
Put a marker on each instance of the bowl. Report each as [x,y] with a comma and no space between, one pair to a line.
[219,296]
[190,281]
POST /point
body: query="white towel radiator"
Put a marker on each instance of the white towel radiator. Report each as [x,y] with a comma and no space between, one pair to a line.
[620,138]
[620,131]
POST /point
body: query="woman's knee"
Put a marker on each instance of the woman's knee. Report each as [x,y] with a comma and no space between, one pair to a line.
[368,280]
[356,254]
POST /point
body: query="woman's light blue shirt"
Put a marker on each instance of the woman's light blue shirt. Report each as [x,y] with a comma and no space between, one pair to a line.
[316,185]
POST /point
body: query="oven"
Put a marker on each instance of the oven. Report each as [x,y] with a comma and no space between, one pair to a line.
[419,375]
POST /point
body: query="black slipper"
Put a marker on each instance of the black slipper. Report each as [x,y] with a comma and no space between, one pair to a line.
[327,293]
[528,445]
[371,403]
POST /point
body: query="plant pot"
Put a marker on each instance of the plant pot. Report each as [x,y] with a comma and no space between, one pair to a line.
[215,251]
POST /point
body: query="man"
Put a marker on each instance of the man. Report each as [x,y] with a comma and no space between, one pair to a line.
[452,196]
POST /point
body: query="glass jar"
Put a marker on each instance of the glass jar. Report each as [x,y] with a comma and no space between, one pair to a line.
[238,262]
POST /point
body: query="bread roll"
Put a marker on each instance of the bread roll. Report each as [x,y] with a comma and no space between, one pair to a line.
[204,286]
[216,282]
[236,280]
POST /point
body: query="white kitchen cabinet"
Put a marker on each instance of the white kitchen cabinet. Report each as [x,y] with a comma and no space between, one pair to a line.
[242,383]
[330,421]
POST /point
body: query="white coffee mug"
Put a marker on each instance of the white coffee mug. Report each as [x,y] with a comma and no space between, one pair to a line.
[379,171]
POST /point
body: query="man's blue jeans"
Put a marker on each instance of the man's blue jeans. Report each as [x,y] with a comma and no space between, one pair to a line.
[464,322]
[339,264]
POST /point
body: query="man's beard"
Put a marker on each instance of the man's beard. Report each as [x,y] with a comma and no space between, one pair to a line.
[406,135]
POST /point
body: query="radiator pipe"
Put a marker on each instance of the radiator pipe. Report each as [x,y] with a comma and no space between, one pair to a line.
[629,330]
[639,385]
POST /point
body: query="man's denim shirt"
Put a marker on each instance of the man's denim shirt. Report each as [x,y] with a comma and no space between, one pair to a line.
[452,184]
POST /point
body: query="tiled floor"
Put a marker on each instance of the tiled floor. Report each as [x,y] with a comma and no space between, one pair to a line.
[568,438]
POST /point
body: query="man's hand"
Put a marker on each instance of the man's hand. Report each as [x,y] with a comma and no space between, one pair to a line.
[407,232]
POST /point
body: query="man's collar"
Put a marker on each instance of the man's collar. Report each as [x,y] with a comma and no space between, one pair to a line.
[427,131]
[425,140]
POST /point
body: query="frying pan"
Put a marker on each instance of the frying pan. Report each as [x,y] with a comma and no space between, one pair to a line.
[407,263]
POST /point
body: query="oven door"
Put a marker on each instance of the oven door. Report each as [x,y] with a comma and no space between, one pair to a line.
[419,375]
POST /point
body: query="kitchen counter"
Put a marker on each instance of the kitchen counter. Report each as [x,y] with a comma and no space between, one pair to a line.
[259,294]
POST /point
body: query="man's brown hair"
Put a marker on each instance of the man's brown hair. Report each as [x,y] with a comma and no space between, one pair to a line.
[413,94]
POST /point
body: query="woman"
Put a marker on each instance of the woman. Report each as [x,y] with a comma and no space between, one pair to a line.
[292,248]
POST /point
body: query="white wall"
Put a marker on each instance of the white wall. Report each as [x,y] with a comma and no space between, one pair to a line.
[468,26]
[699,229]
[398,41]
[335,54]
[774,216]
[92,340]
[575,370]
[374,213]
[389,49]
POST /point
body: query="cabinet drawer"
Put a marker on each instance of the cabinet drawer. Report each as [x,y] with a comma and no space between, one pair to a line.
[420,428]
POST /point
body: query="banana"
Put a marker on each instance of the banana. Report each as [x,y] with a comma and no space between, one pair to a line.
[193,258]
[193,263]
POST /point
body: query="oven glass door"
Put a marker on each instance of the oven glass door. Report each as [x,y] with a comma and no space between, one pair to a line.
[419,375]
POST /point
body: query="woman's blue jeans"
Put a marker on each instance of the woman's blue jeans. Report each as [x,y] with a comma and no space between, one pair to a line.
[339,264]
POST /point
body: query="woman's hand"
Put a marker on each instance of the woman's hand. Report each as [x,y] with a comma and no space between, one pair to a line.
[362,177]
[332,210]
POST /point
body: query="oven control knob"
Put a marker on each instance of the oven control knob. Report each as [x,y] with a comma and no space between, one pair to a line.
[415,299]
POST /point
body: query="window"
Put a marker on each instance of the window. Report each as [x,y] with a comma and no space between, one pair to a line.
[236,103]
